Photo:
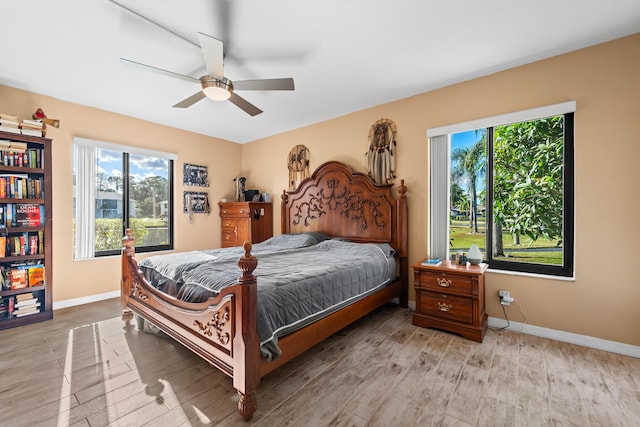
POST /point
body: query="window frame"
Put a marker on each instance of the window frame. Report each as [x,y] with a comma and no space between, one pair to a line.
[436,196]
[126,152]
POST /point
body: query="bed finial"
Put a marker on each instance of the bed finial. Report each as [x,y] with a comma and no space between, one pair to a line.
[284,196]
[128,241]
[247,263]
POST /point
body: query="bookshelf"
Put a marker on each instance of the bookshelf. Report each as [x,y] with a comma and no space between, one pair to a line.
[25,230]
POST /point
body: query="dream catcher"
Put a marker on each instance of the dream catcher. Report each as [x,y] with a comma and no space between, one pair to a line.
[298,164]
[382,151]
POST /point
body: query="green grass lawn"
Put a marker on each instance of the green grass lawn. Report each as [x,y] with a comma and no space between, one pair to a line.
[462,237]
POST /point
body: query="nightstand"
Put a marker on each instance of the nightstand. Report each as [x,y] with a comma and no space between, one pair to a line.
[451,297]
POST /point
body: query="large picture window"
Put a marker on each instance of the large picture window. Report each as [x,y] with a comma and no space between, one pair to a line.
[118,187]
[508,188]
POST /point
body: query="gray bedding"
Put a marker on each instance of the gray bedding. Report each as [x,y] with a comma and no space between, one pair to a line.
[301,278]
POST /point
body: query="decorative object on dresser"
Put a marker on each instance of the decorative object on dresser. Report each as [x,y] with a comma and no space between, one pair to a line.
[240,186]
[382,151]
[298,164]
[223,329]
[450,296]
[245,221]
[25,230]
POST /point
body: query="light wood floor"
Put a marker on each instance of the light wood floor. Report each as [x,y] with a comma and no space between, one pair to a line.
[84,369]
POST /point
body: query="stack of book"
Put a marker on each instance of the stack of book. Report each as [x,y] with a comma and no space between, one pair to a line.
[25,305]
[31,127]
[9,123]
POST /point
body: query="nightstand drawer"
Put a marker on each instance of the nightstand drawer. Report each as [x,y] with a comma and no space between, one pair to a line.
[446,282]
[446,306]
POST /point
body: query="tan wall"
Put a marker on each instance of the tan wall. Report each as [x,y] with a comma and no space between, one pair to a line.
[103,275]
[601,302]
[603,80]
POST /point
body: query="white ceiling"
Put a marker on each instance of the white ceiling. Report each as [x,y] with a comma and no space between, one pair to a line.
[344,55]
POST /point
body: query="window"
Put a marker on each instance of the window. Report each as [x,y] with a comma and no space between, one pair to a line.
[118,187]
[507,187]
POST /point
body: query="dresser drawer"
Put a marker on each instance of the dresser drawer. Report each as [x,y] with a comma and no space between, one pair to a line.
[229,223]
[232,210]
[230,238]
[449,307]
[446,282]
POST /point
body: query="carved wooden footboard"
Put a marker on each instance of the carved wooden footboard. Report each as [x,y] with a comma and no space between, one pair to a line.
[221,330]
[335,201]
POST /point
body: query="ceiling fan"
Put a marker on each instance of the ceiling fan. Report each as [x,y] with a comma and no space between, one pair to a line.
[214,84]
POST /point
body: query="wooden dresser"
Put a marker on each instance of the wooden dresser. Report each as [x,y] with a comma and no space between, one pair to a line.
[451,297]
[242,221]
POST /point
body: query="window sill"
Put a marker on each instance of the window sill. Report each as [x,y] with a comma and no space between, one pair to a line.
[536,275]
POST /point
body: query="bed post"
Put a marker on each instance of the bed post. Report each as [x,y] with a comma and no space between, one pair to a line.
[246,344]
[402,215]
[284,215]
[126,282]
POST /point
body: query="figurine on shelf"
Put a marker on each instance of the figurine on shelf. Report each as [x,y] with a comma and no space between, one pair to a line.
[39,115]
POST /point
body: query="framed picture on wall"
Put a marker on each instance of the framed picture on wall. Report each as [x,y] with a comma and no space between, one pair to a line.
[195,202]
[195,175]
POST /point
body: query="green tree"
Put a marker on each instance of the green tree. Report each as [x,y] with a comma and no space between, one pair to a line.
[469,164]
[528,179]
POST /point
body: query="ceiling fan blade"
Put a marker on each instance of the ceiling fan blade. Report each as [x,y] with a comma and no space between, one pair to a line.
[264,84]
[212,50]
[144,18]
[159,70]
[188,102]
[245,105]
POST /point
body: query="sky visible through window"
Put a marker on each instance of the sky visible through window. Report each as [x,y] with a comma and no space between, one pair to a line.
[464,140]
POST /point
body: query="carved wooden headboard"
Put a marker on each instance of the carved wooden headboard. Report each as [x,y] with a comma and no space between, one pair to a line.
[340,202]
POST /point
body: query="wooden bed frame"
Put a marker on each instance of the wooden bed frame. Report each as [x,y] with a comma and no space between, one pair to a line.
[335,201]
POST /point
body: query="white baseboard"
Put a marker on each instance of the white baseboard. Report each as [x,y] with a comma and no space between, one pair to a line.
[568,337]
[85,300]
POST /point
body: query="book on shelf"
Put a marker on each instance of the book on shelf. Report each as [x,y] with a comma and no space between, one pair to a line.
[27,215]
[432,261]
[8,117]
[35,275]
[13,146]
[31,302]
[10,129]
[31,131]
[25,311]
[19,278]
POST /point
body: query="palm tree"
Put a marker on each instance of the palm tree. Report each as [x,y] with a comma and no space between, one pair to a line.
[469,164]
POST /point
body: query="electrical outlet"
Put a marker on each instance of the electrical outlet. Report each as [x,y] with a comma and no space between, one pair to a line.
[505,297]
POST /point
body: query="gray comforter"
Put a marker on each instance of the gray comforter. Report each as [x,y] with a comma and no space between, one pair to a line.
[301,278]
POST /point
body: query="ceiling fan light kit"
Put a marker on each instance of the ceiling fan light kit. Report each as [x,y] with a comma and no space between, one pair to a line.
[218,90]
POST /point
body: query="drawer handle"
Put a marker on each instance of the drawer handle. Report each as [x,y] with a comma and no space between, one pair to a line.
[241,210]
[225,211]
[444,307]
[444,282]
[227,224]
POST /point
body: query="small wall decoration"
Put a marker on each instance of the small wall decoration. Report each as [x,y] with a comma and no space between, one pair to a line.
[195,202]
[298,164]
[195,175]
[382,151]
